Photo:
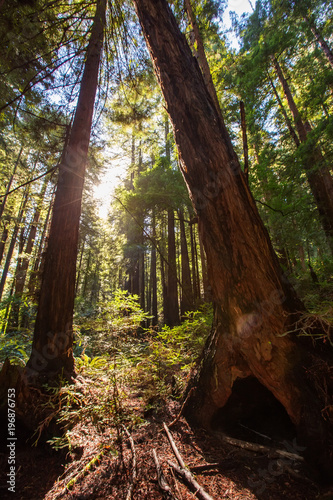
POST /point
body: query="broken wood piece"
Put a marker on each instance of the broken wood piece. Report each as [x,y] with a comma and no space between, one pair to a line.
[245,445]
[133,478]
[174,447]
[191,482]
[162,482]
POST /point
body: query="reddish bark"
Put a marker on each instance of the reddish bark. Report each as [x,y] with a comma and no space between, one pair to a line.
[254,303]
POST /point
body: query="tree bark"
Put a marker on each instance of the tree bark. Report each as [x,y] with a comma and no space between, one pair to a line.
[201,56]
[255,304]
[52,352]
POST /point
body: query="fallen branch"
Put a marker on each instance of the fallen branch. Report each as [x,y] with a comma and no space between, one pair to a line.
[182,408]
[173,446]
[245,445]
[191,482]
[162,482]
[133,478]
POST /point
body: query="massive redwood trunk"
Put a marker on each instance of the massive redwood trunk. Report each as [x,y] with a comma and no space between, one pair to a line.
[254,303]
[53,336]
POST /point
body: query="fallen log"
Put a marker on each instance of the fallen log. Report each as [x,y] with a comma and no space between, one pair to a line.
[191,482]
[162,482]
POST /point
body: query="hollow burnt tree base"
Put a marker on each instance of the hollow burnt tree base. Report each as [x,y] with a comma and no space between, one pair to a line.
[255,306]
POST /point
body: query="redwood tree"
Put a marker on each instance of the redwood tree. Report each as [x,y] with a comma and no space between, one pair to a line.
[53,336]
[255,306]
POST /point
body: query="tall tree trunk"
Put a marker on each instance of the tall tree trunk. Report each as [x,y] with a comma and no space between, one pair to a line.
[255,305]
[52,351]
[172,310]
[318,175]
[187,302]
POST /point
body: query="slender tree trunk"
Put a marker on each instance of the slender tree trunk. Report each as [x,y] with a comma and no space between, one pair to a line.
[206,285]
[2,206]
[24,264]
[13,242]
[80,266]
[172,311]
[35,276]
[291,129]
[3,240]
[197,263]
[245,146]
[187,302]
[142,274]
[318,175]
[323,44]
[52,351]
[255,304]
[194,268]
[153,277]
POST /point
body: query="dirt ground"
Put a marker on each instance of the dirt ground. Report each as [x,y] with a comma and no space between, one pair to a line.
[101,466]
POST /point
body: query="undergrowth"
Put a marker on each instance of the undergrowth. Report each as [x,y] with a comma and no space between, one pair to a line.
[124,371]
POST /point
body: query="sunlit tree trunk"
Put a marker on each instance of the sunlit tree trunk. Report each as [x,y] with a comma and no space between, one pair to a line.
[52,352]
[255,305]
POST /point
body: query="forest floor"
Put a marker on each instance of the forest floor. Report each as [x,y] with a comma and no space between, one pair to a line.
[100,431]
[100,465]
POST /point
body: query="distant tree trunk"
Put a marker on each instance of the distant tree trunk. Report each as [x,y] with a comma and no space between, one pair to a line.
[3,240]
[284,113]
[52,352]
[323,44]
[255,305]
[153,275]
[318,175]
[142,274]
[23,263]
[206,286]
[194,266]
[13,242]
[2,206]
[172,310]
[187,302]
[35,276]
[78,276]
[245,146]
